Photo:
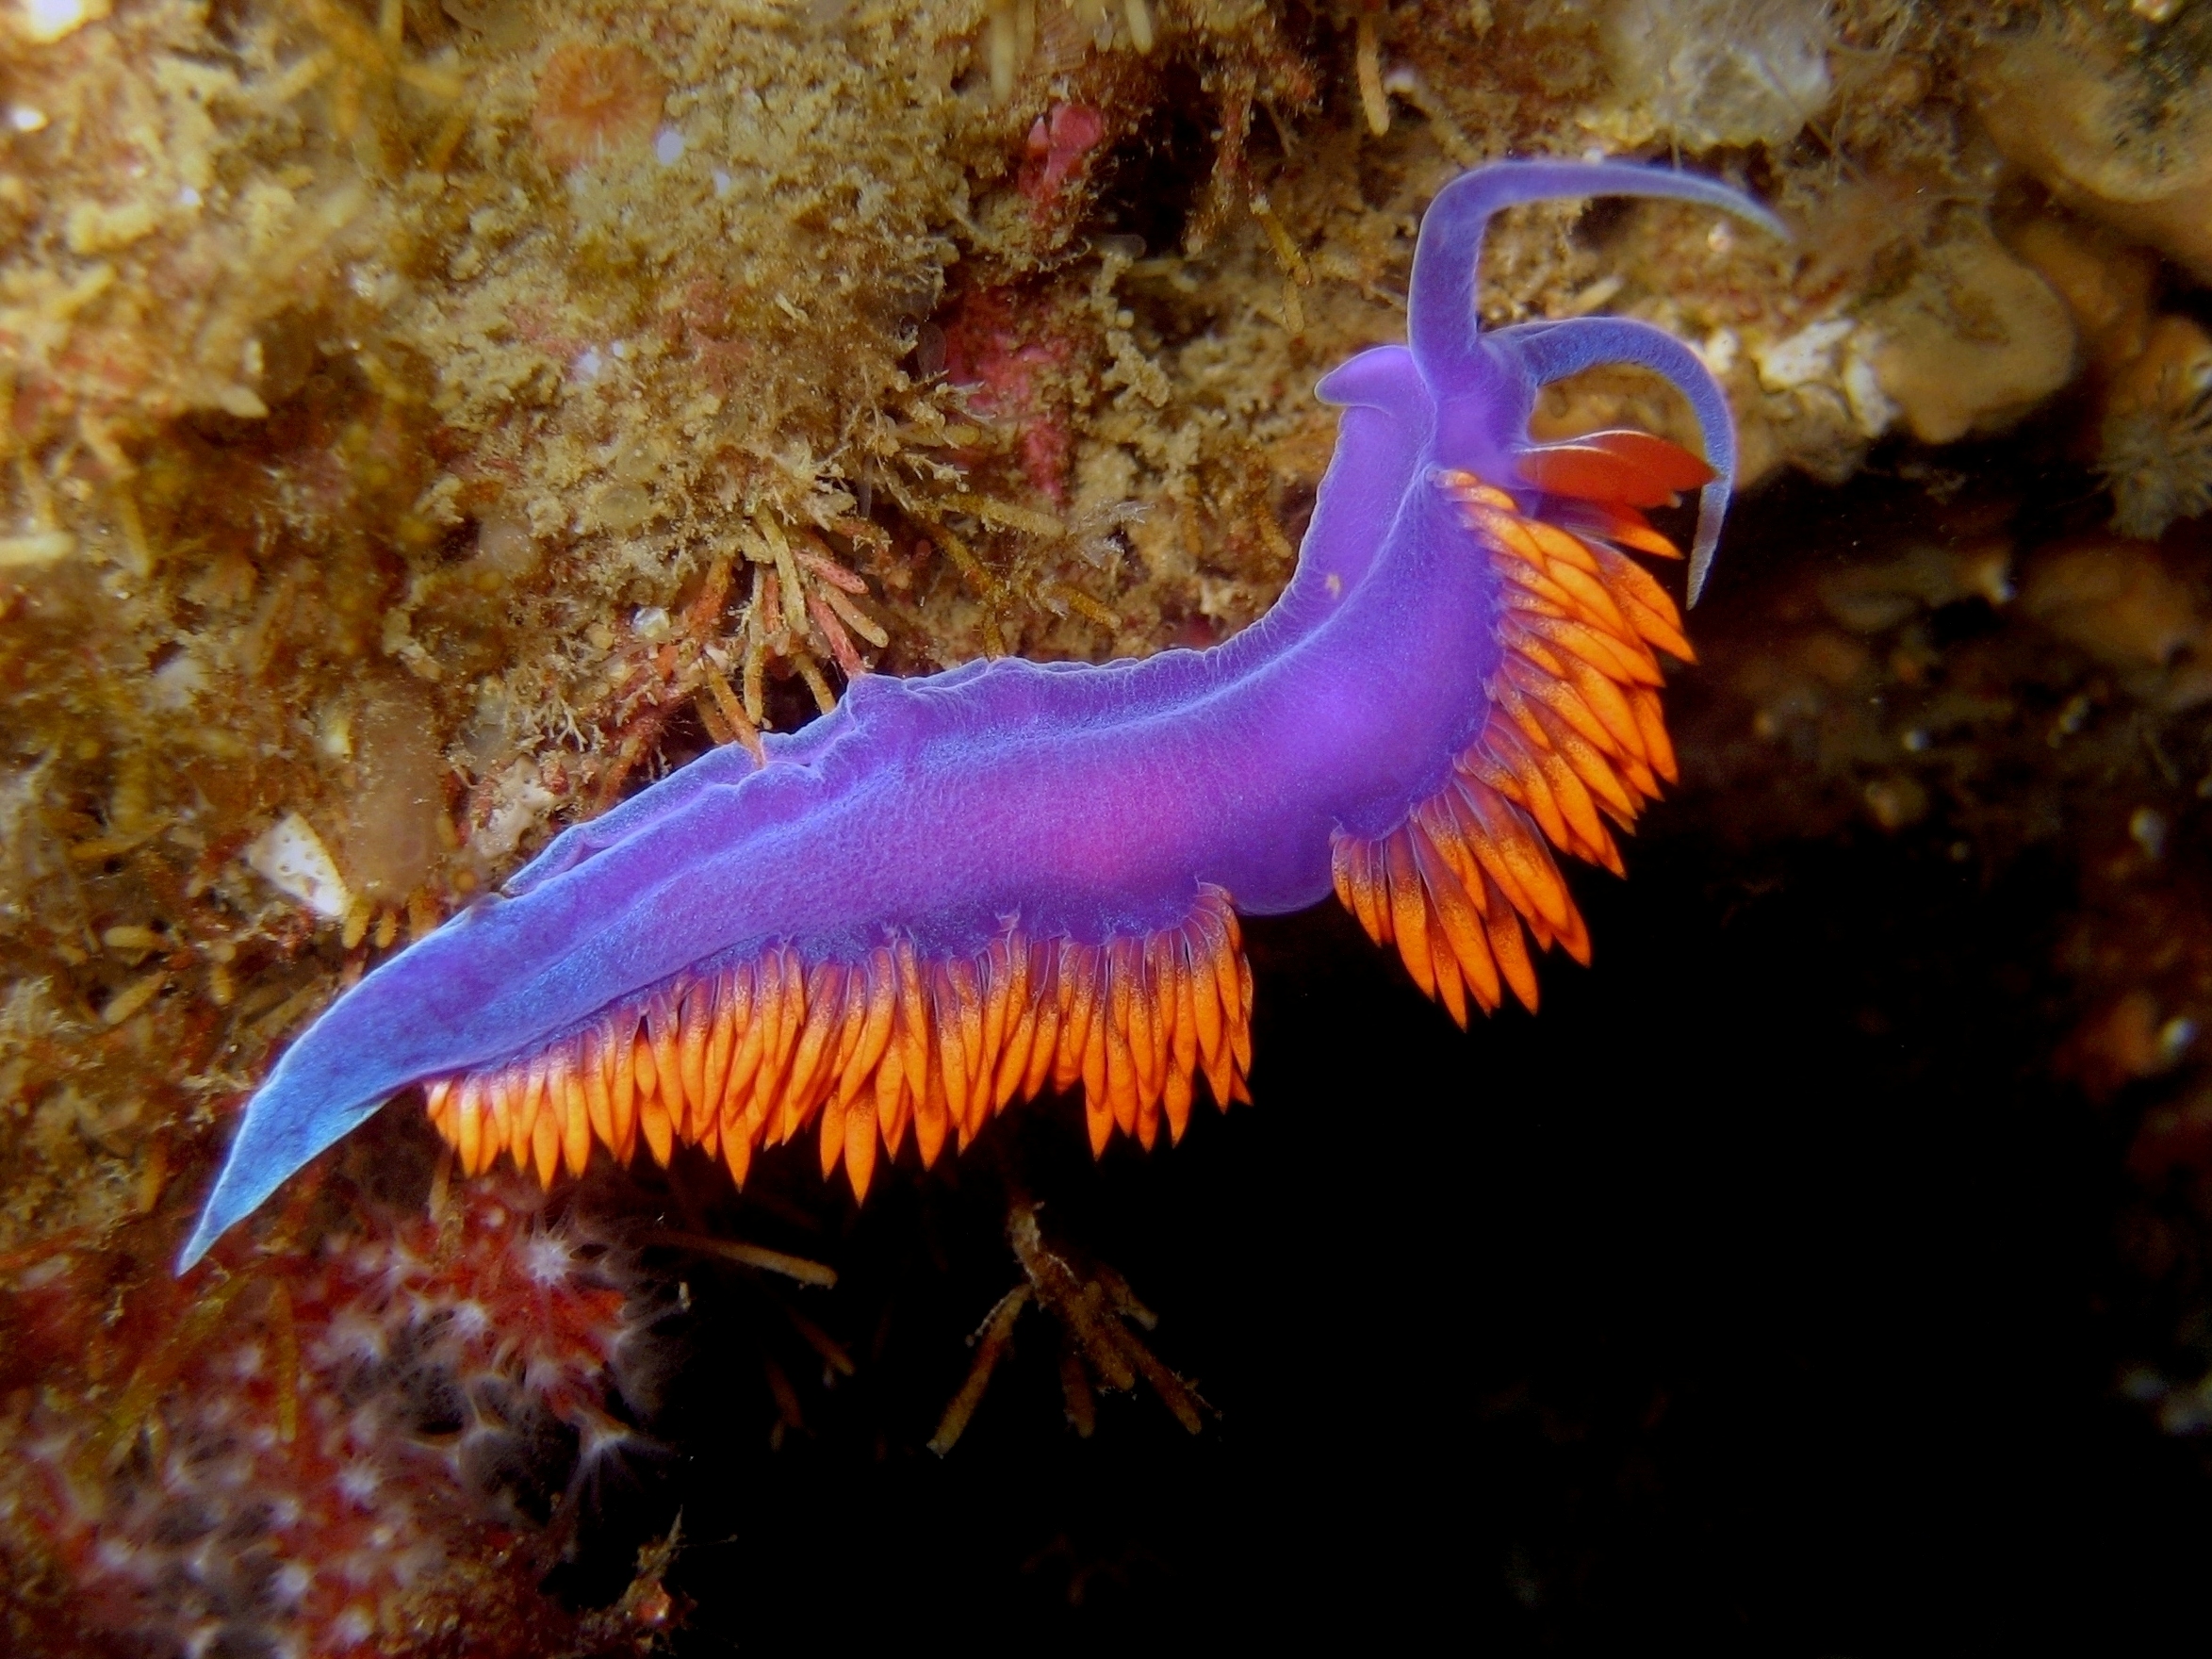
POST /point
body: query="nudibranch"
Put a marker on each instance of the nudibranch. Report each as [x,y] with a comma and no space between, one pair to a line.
[962,890]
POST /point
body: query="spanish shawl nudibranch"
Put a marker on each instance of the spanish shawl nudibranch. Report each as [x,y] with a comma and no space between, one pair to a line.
[965,888]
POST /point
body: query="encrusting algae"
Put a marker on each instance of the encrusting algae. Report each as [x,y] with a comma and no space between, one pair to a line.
[423,422]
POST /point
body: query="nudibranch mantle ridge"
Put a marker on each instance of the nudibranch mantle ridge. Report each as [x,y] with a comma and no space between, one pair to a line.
[960,889]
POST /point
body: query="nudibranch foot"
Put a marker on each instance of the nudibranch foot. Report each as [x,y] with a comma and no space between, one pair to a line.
[1574,735]
[754,1053]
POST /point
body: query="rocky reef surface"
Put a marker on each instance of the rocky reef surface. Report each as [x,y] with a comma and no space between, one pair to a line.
[420,424]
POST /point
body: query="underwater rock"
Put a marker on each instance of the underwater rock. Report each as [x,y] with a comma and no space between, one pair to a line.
[395,829]
[2116,599]
[1722,71]
[150,255]
[2149,374]
[1975,341]
[2155,439]
[2110,132]
[292,858]
[2108,285]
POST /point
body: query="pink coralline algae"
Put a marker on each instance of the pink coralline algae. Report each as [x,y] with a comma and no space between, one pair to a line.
[1015,374]
[1058,149]
[345,1452]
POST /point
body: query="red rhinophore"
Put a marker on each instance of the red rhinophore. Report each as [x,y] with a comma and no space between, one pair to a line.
[1625,468]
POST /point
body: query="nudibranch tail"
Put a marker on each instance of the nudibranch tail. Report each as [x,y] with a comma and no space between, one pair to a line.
[1574,736]
[755,1053]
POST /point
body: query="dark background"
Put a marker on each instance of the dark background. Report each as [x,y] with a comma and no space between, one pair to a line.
[1757,1295]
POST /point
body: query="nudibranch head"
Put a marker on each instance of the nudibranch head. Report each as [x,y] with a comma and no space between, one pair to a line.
[1484,385]
[958,891]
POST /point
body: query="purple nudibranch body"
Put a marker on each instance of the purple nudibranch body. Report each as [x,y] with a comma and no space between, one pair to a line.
[1083,812]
